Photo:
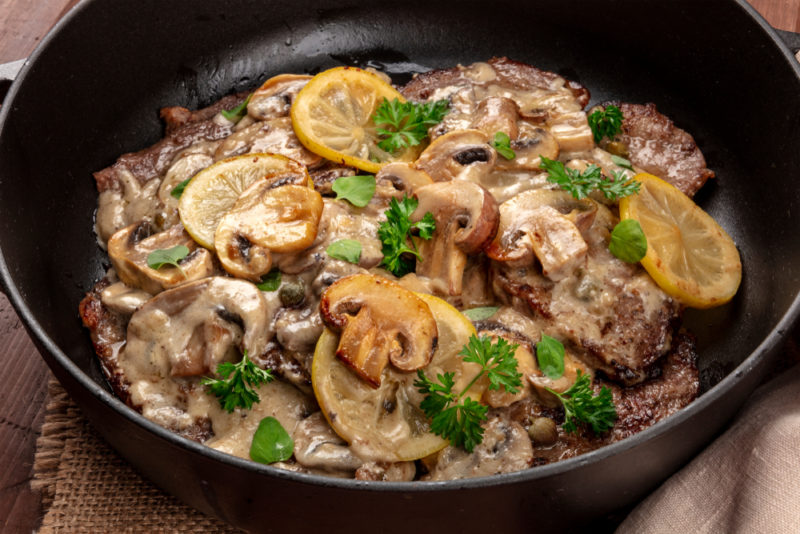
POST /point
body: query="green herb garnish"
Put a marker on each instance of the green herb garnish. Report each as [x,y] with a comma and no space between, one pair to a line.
[395,234]
[581,406]
[357,190]
[271,443]
[606,123]
[628,241]
[177,191]
[168,256]
[622,162]
[236,114]
[345,249]
[405,124]
[580,184]
[502,143]
[270,281]
[550,355]
[480,314]
[458,418]
[234,389]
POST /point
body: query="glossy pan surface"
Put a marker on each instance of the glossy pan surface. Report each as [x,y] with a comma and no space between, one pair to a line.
[92,92]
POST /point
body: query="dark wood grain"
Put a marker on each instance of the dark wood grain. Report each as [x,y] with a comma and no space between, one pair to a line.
[24,375]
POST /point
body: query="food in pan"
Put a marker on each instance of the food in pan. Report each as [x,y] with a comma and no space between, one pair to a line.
[467,275]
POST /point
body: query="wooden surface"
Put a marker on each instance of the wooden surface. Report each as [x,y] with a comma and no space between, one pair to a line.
[24,375]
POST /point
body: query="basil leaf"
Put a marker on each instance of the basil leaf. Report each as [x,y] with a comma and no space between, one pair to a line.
[271,443]
[236,114]
[480,314]
[502,143]
[358,190]
[270,281]
[345,249]
[170,256]
[177,191]
[550,355]
[621,162]
[628,242]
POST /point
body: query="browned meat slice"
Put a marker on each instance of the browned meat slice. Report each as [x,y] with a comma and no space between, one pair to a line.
[184,128]
[658,146]
[638,407]
[510,73]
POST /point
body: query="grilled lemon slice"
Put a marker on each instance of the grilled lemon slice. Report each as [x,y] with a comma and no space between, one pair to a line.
[688,254]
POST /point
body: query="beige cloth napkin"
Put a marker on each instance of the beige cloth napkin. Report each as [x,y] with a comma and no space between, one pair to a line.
[747,481]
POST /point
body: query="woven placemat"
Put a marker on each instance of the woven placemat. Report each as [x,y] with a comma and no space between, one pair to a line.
[87,487]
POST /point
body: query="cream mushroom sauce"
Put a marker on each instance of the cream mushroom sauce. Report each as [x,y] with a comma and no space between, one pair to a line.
[546,267]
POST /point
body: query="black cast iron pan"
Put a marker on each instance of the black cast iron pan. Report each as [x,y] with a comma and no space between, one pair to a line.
[91,91]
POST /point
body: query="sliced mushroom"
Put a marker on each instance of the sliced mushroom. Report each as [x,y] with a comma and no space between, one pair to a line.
[274,98]
[466,217]
[274,136]
[184,168]
[529,146]
[188,330]
[534,223]
[130,247]
[380,322]
[316,445]
[572,132]
[123,299]
[459,155]
[266,219]
[398,179]
[496,114]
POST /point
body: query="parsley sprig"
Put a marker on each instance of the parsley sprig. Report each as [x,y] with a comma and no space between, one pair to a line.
[235,389]
[580,184]
[606,122]
[581,406]
[395,234]
[405,124]
[456,417]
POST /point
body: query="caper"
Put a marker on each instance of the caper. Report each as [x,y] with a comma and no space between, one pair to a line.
[543,431]
[618,149]
[585,289]
[292,293]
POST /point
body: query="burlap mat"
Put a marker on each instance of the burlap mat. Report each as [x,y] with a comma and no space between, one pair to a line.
[87,487]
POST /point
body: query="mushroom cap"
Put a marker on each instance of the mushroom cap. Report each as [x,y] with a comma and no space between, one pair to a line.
[466,218]
[129,248]
[543,223]
[529,146]
[496,114]
[268,217]
[458,155]
[275,96]
[400,178]
[380,322]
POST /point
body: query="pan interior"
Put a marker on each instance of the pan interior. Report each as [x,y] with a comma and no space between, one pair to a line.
[70,118]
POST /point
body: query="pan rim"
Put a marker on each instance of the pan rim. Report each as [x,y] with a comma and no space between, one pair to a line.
[771,342]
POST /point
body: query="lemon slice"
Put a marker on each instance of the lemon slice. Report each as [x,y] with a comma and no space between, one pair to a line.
[386,424]
[332,117]
[213,191]
[688,254]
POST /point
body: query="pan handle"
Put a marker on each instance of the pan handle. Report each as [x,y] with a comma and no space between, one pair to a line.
[8,73]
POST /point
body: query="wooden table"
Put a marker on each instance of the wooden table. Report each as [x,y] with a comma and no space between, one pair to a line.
[24,374]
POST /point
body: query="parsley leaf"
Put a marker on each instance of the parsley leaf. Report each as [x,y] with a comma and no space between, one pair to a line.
[606,123]
[271,443]
[622,162]
[358,190]
[233,389]
[502,143]
[177,191]
[270,281]
[236,114]
[550,355]
[405,124]
[169,256]
[580,184]
[345,249]
[480,314]
[628,241]
[395,232]
[582,407]
[458,418]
